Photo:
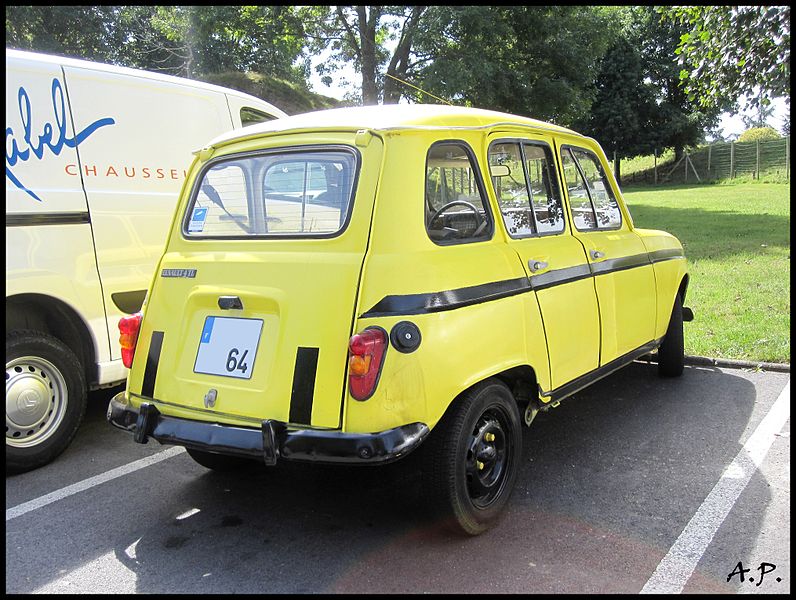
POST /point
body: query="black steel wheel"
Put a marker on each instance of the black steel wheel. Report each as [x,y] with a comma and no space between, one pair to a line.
[471,458]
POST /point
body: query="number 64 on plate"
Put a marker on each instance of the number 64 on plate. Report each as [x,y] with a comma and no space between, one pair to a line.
[228,347]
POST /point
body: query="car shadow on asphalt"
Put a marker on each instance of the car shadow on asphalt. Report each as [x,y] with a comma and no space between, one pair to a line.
[608,481]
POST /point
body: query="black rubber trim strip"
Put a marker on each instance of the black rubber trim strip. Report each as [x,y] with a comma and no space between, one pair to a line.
[611,265]
[303,392]
[129,302]
[416,304]
[152,360]
[667,254]
[59,218]
[585,380]
[560,277]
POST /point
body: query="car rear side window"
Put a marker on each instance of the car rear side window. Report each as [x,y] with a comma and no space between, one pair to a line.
[294,193]
[455,202]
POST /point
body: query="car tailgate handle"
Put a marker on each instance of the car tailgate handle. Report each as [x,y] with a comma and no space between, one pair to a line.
[230,302]
[537,265]
[595,254]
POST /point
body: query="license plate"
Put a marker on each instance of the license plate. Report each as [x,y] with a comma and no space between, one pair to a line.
[228,347]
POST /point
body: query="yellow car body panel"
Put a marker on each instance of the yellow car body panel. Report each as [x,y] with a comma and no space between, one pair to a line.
[561,322]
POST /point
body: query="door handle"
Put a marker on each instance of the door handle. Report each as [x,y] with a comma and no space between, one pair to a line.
[537,265]
[229,303]
[595,254]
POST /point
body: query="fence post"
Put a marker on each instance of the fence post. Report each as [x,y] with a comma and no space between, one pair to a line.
[685,177]
[757,169]
[655,166]
[787,158]
[732,160]
[709,149]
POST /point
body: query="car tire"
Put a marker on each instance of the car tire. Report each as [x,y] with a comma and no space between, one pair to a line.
[671,355]
[220,462]
[45,399]
[465,498]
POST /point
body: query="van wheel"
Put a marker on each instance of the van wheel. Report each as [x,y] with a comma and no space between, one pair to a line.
[45,399]
[472,458]
[671,355]
[220,462]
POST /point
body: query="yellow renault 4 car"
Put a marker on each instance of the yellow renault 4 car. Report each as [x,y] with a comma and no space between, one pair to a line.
[352,285]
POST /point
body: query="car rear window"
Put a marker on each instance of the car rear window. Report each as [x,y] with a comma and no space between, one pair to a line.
[295,193]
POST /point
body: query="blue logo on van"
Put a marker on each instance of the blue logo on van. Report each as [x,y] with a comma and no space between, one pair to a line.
[49,131]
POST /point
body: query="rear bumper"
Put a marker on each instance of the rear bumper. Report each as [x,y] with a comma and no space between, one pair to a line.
[272,441]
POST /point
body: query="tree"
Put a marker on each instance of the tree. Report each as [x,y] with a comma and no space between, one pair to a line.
[640,105]
[529,60]
[76,31]
[360,34]
[623,114]
[763,112]
[762,134]
[728,51]
[179,40]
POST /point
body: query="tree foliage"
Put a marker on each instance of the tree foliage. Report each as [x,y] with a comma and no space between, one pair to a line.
[728,51]
[179,40]
[640,105]
[529,60]
[762,134]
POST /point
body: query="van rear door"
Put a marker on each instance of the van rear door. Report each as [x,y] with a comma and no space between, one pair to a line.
[252,306]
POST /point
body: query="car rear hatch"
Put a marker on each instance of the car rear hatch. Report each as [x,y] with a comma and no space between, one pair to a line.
[251,309]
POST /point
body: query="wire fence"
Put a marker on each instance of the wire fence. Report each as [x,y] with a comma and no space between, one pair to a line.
[723,160]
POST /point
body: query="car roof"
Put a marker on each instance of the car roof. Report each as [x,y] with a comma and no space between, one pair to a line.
[386,117]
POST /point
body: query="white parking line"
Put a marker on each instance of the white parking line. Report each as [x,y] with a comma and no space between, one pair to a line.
[674,571]
[26,507]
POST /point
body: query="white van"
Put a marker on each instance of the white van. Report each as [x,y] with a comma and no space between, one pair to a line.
[95,159]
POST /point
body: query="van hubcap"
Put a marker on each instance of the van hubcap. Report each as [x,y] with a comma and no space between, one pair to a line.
[35,401]
[486,462]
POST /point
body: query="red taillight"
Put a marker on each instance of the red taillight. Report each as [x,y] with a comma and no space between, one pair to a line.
[128,328]
[365,356]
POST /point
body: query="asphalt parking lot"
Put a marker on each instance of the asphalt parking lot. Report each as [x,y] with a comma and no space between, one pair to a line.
[635,484]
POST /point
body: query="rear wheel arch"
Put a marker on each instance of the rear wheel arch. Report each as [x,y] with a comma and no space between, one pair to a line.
[54,317]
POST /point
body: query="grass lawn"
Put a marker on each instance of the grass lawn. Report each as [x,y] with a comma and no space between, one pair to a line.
[737,242]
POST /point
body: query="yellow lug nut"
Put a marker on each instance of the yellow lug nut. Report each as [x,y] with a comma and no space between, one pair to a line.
[480,465]
[489,437]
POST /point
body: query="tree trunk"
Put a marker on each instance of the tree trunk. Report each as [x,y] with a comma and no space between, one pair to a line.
[367,36]
[399,63]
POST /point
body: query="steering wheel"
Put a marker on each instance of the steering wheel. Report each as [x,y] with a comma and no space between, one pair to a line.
[482,222]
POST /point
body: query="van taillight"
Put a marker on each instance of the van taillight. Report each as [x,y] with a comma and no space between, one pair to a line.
[128,328]
[365,357]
